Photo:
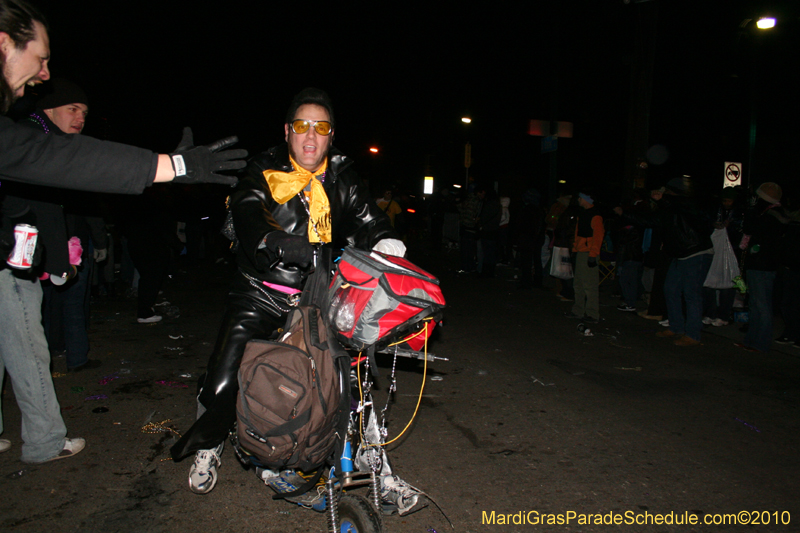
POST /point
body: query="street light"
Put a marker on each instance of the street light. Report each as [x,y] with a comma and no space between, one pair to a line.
[467,153]
[763,23]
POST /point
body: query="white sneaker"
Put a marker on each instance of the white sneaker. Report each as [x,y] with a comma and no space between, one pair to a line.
[664,323]
[5,445]
[71,447]
[203,474]
[719,322]
[707,320]
[266,475]
[398,495]
[149,320]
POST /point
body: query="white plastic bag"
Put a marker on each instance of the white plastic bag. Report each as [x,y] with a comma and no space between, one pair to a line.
[545,255]
[724,266]
[561,266]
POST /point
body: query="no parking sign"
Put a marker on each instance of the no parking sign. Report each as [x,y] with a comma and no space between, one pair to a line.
[733,174]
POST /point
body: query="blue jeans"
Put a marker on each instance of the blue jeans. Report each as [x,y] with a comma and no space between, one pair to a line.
[629,274]
[685,279]
[65,316]
[759,329]
[24,352]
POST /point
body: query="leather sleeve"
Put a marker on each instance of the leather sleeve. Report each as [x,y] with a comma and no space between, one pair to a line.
[252,217]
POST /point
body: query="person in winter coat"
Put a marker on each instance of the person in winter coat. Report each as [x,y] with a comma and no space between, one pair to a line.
[589,233]
[764,223]
[718,303]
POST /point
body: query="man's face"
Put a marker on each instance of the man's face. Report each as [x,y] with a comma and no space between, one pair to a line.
[69,118]
[29,65]
[309,149]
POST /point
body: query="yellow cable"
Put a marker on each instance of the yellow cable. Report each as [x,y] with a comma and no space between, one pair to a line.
[421,389]
[361,401]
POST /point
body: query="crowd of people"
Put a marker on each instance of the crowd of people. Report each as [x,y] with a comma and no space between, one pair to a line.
[688,260]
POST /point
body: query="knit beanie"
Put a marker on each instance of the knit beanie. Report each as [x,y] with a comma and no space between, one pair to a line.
[770,192]
[63,92]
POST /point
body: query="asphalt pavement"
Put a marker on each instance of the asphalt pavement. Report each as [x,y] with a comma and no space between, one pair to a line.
[529,426]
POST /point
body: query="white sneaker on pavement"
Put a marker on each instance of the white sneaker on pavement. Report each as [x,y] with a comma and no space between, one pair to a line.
[71,447]
[5,445]
[203,473]
[718,322]
[398,495]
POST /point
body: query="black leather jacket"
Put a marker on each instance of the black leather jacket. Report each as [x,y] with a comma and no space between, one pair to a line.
[356,219]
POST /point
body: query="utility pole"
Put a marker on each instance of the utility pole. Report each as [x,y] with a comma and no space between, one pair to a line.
[638,138]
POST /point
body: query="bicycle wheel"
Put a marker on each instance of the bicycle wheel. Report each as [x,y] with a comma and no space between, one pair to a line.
[356,515]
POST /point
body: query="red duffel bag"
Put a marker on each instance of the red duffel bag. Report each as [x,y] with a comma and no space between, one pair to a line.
[377,298]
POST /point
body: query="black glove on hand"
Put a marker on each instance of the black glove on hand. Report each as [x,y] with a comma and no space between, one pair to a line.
[591,262]
[291,249]
[200,164]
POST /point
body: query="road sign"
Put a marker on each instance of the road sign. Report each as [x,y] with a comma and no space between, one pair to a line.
[733,174]
[549,143]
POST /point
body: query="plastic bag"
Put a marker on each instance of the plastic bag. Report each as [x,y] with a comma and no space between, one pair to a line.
[546,253]
[561,265]
[724,267]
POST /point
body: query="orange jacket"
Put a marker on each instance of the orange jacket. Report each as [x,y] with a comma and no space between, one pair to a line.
[591,244]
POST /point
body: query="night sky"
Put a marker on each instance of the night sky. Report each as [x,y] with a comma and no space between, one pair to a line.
[402,75]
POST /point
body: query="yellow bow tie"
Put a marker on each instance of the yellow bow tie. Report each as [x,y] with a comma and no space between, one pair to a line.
[285,185]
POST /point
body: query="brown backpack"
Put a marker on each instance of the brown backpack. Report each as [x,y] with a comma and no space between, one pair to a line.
[291,403]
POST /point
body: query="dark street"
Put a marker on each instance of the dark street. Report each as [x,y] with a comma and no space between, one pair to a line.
[529,417]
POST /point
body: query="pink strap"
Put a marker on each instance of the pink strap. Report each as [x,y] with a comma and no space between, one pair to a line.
[281,288]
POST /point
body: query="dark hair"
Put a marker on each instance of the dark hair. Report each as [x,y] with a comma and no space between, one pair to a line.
[17,20]
[312,96]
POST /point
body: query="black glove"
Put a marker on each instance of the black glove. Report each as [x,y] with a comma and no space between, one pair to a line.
[591,262]
[291,249]
[200,164]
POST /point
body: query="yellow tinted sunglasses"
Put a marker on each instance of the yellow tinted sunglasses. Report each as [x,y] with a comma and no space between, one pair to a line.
[322,127]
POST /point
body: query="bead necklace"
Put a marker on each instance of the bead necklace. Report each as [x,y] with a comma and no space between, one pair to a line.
[36,118]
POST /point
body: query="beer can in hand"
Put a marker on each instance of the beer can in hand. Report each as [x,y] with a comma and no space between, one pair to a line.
[25,237]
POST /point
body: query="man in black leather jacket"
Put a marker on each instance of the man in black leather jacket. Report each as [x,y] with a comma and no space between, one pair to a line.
[278,212]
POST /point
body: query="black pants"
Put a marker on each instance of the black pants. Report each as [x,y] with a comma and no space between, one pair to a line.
[151,259]
[251,313]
